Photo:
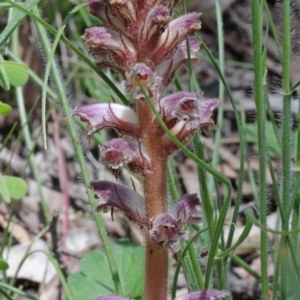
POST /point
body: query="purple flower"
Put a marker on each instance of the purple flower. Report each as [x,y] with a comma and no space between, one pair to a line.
[167,230]
[176,31]
[112,195]
[102,11]
[186,106]
[113,115]
[186,210]
[166,70]
[155,23]
[183,113]
[102,40]
[119,15]
[118,152]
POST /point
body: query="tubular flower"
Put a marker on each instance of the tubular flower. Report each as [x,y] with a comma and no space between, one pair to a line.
[186,210]
[119,15]
[176,31]
[168,230]
[166,70]
[102,11]
[118,152]
[113,115]
[183,113]
[155,23]
[104,40]
[186,106]
[115,195]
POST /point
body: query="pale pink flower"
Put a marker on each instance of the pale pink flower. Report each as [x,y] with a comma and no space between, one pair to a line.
[117,116]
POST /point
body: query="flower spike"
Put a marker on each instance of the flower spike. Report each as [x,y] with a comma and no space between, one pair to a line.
[119,117]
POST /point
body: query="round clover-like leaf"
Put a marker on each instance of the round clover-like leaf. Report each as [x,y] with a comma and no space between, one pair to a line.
[5,109]
[16,186]
[94,278]
[3,265]
[17,73]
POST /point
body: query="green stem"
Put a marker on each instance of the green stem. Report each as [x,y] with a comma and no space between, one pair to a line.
[217,139]
[286,144]
[261,131]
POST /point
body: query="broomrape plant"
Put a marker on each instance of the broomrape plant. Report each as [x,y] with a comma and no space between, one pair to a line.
[146,45]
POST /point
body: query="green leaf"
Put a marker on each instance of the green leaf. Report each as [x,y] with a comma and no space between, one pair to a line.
[5,109]
[4,192]
[94,278]
[15,21]
[3,264]
[252,137]
[17,73]
[4,80]
[16,186]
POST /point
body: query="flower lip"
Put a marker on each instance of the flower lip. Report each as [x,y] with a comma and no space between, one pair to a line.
[114,115]
[118,152]
[168,230]
[186,106]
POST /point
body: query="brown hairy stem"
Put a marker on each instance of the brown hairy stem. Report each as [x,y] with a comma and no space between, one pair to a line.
[155,188]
